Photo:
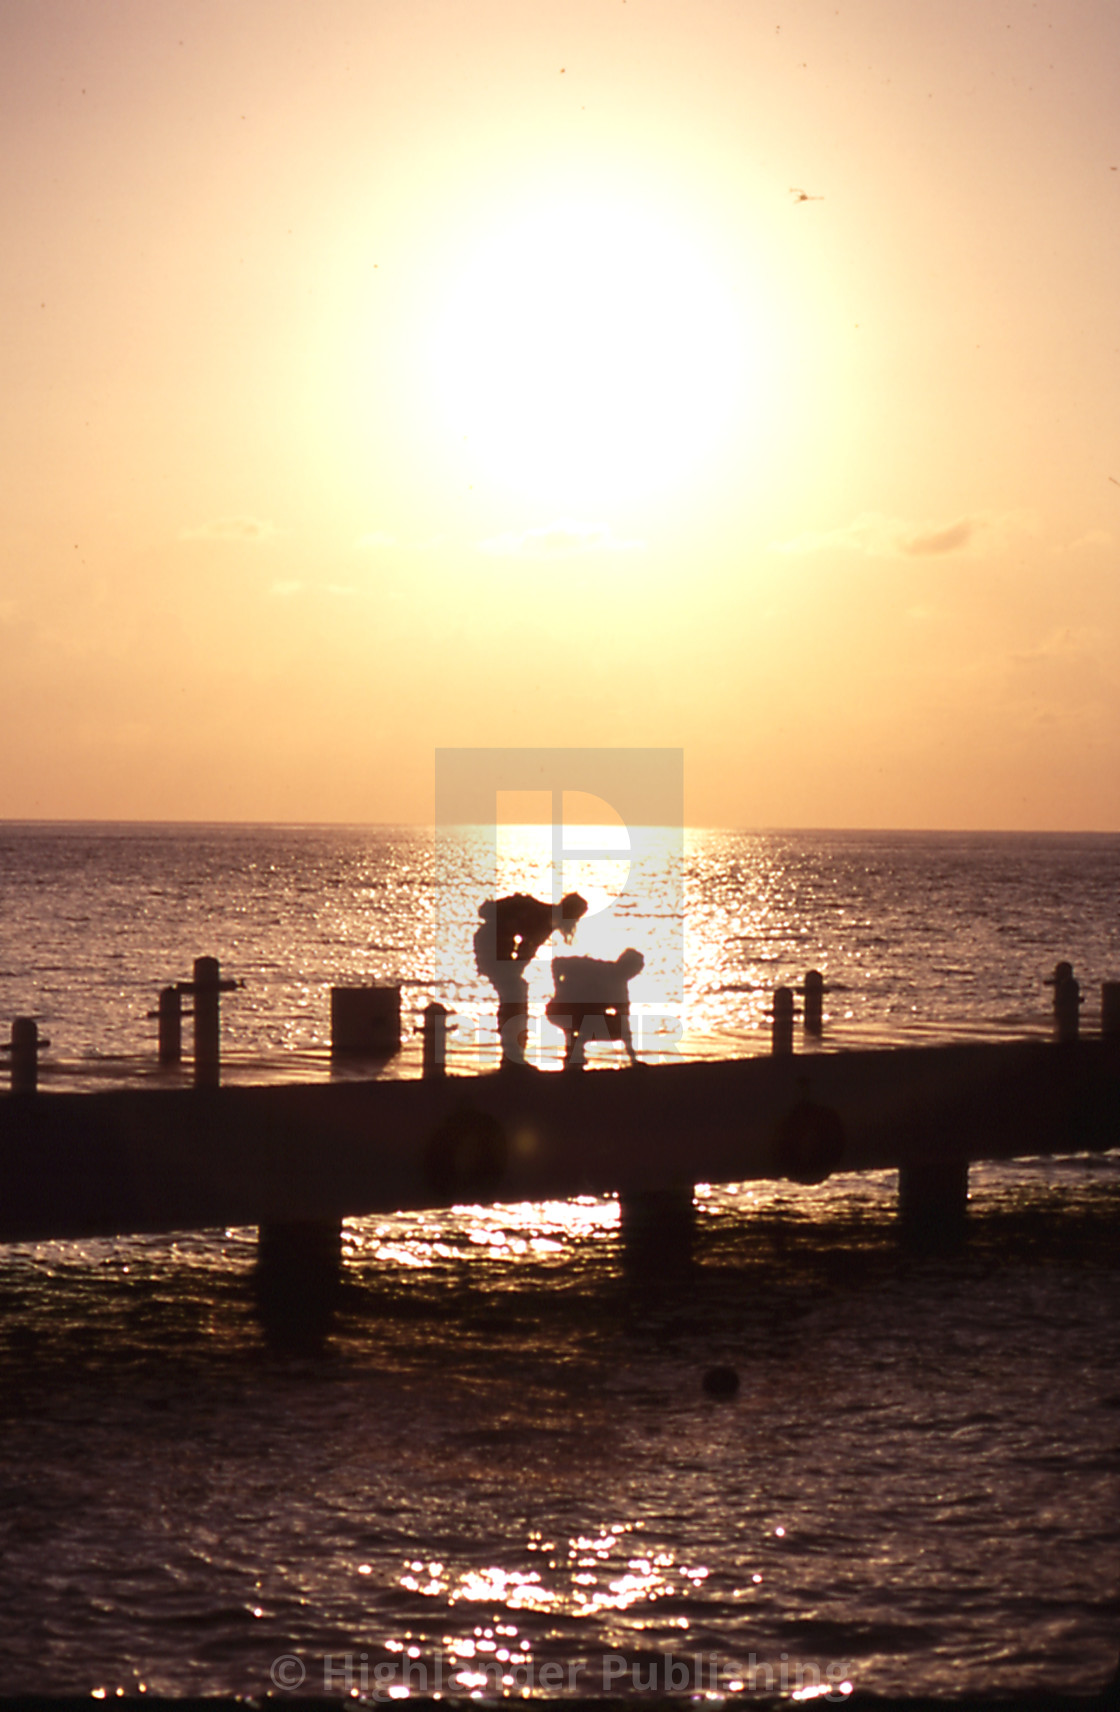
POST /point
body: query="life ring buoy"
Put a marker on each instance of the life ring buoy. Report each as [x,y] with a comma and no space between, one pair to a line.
[466,1157]
[810,1143]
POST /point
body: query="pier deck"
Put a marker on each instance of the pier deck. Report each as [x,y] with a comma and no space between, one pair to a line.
[156,1158]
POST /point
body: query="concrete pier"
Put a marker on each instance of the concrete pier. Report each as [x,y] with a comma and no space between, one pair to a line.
[810,1143]
[186,1158]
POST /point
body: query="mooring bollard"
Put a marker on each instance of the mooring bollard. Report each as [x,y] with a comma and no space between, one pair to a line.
[207,987]
[781,1033]
[170,1025]
[1067,1002]
[1110,1010]
[435,1040]
[25,1055]
[813,1015]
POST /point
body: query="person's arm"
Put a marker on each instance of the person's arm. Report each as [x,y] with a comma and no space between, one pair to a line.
[530,923]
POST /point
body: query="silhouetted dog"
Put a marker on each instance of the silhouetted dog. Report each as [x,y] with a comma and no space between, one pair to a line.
[592,987]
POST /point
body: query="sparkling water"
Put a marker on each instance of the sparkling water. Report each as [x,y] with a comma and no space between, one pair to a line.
[505,1471]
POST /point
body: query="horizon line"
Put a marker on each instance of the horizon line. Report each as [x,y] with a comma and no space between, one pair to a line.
[92,822]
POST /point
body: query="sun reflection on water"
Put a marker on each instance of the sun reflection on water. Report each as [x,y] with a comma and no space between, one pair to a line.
[544,1230]
[592,1575]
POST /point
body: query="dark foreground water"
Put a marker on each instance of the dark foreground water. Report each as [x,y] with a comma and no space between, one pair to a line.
[505,1473]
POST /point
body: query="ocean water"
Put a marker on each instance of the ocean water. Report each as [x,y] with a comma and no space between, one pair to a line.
[504,1471]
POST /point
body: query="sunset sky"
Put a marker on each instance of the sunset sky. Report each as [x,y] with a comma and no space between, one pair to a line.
[385,375]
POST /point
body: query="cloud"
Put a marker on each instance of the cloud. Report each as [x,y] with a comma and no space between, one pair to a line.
[379,541]
[1065,673]
[556,540]
[1071,646]
[878,537]
[1093,538]
[289,586]
[948,540]
[231,529]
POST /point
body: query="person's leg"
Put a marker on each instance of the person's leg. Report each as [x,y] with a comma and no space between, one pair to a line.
[513,1014]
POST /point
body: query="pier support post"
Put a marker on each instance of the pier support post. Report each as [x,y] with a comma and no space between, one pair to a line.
[657,1228]
[1110,1011]
[933,1204]
[170,1025]
[298,1279]
[25,1055]
[781,1034]
[813,998]
[435,1041]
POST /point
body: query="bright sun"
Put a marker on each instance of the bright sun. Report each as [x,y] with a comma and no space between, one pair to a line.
[589,353]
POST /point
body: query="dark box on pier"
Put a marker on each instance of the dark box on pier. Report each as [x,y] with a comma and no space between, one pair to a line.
[365,1021]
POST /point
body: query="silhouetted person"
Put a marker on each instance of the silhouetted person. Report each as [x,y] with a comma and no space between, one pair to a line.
[592,987]
[511,932]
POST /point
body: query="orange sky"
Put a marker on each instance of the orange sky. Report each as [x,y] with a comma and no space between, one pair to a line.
[385,375]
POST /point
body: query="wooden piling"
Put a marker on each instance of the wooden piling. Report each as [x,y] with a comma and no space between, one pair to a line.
[170,1025]
[1067,1003]
[435,1040]
[25,1055]
[298,1279]
[657,1228]
[813,1000]
[207,987]
[781,1034]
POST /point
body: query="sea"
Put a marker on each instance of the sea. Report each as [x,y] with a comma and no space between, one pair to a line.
[819,1464]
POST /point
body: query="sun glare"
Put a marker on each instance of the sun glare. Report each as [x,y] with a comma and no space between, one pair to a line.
[588,352]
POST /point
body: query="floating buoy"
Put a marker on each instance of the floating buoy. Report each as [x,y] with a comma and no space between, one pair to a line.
[721,1382]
